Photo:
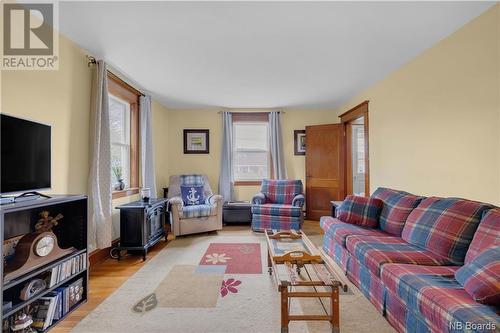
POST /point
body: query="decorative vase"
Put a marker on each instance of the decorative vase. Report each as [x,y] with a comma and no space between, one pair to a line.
[121,184]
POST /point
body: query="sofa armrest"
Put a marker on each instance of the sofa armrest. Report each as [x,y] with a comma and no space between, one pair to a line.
[298,200]
[214,200]
[175,203]
[259,199]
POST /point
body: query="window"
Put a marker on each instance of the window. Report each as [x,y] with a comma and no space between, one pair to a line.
[123,103]
[251,156]
[119,119]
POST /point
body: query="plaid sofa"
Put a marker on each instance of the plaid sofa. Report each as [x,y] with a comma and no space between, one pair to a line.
[406,265]
[278,205]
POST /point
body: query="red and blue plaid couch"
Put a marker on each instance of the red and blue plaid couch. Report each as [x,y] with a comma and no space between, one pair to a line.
[278,205]
[406,265]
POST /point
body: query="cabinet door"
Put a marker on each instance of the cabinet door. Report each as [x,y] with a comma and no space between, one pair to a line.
[324,168]
[131,223]
[155,221]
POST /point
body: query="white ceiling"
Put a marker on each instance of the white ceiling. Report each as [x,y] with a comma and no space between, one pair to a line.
[260,54]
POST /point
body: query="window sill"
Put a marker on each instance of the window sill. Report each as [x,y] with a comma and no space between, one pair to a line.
[247,183]
[125,193]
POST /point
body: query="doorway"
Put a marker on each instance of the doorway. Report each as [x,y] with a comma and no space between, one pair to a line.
[356,148]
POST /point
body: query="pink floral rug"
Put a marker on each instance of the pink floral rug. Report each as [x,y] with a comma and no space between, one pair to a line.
[239,258]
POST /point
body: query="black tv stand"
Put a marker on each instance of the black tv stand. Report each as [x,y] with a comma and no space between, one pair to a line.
[33,193]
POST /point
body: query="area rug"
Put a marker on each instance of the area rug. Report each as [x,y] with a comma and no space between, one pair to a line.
[179,291]
[239,258]
[185,287]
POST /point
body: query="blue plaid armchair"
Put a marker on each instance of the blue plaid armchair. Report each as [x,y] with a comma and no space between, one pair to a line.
[278,205]
[193,218]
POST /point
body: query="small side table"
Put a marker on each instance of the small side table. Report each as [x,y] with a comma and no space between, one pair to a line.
[335,205]
[237,212]
[142,225]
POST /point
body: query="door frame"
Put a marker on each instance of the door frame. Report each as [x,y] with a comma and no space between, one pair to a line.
[346,118]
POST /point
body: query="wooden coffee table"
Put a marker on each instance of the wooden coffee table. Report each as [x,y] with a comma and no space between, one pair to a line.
[296,263]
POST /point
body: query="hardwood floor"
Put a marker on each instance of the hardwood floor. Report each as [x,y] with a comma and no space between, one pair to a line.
[109,275]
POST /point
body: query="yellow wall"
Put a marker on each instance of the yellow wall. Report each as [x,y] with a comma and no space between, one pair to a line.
[62,99]
[180,163]
[434,123]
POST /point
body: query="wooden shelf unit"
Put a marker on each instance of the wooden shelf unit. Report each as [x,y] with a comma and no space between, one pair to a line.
[20,218]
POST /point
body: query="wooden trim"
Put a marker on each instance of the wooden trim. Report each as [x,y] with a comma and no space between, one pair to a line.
[348,158]
[251,117]
[206,132]
[119,88]
[124,193]
[354,113]
[247,183]
[360,110]
[116,80]
[99,255]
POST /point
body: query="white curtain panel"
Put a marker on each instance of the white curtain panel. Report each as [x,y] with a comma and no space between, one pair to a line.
[147,151]
[226,186]
[99,185]
[276,145]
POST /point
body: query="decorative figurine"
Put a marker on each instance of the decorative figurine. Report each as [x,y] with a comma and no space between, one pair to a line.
[46,222]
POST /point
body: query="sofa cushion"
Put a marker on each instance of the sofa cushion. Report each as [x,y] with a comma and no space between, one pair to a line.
[277,209]
[374,252]
[191,180]
[444,226]
[481,277]
[339,231]
[397,205]
[360,210]
[198,211]
[487,234]
[281,191]
[434,293]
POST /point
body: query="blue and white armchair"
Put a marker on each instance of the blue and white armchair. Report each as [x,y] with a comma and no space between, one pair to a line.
[193,206]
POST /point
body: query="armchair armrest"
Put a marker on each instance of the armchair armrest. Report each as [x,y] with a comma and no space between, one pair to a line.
[175,203]
[298,200]
[214,200]
[259,199]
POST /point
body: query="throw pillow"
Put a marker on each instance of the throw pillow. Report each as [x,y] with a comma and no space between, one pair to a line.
[360,210]
[444,226]
[480,277]
[397,206]
[192,195]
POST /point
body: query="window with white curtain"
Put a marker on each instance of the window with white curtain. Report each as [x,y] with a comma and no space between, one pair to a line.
[251,157]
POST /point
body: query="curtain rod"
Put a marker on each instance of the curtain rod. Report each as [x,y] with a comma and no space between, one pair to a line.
[92,61]
[257,112]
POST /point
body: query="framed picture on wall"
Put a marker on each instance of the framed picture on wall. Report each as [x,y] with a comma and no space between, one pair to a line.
[299,142]
[196,141]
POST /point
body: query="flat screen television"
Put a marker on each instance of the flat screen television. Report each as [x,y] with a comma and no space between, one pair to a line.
[25,153]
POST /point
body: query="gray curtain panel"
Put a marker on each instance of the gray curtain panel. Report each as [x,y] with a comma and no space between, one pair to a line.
[226,166]
[276,145]
[147,152]
[99,185]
